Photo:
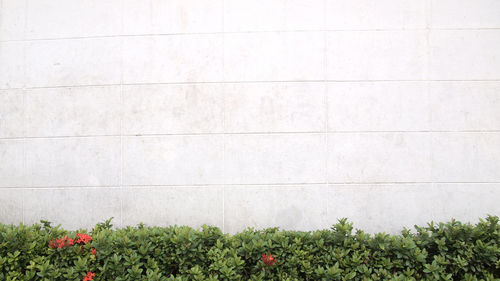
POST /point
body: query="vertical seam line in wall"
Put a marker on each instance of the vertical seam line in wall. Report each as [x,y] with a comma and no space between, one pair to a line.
[25,177]
[427,38]
[428,20]
[325,92]
[428,17]
[121,193]
[25,172]
[223,119]
[1,12]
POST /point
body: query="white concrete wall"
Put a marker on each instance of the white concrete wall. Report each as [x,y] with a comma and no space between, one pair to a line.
[241,113]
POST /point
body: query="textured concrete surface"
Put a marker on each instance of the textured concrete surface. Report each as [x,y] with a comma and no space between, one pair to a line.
[240,113]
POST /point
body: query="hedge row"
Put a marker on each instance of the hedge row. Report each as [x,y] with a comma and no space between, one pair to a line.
[444,251]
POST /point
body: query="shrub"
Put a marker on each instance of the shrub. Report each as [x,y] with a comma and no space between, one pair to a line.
[444,251]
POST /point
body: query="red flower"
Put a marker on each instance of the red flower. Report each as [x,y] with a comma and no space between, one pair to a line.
[89,276]
[93,251]
[61,243]
[269,259]
[83,238]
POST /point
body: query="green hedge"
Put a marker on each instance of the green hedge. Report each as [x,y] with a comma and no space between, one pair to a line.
[445,251]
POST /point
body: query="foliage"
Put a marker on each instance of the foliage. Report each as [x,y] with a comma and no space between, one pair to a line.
[444,251]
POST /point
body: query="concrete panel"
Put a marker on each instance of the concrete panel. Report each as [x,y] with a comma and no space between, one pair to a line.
[380,14]
[92,161]
[169,109]
[12,65]
[288,207]
[467,202]
[379,157]
[376,55]
[464,54]
[73,62]
[72,18]
[172,17]
[465,14]
[268,159]
[378,106]
[275,107]
[12,163]
[273,15]
[78,111]
[164,206]
[12,19]
[409,205]
[73,208]
[173,160]
[11,205]
[466,157]
[465,105]
[180,58]
[11,113]
[268,56]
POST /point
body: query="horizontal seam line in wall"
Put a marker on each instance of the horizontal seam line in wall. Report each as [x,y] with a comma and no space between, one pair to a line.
[423,182]
[243,184]
[246,133]
[248,32]
[249,82]
[160,185]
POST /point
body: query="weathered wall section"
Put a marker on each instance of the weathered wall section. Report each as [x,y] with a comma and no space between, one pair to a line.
[249,113]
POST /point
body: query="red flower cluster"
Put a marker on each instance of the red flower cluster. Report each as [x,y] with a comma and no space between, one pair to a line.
[89,276]
[61,243]
[83,238]
[66,241]
[269,259]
